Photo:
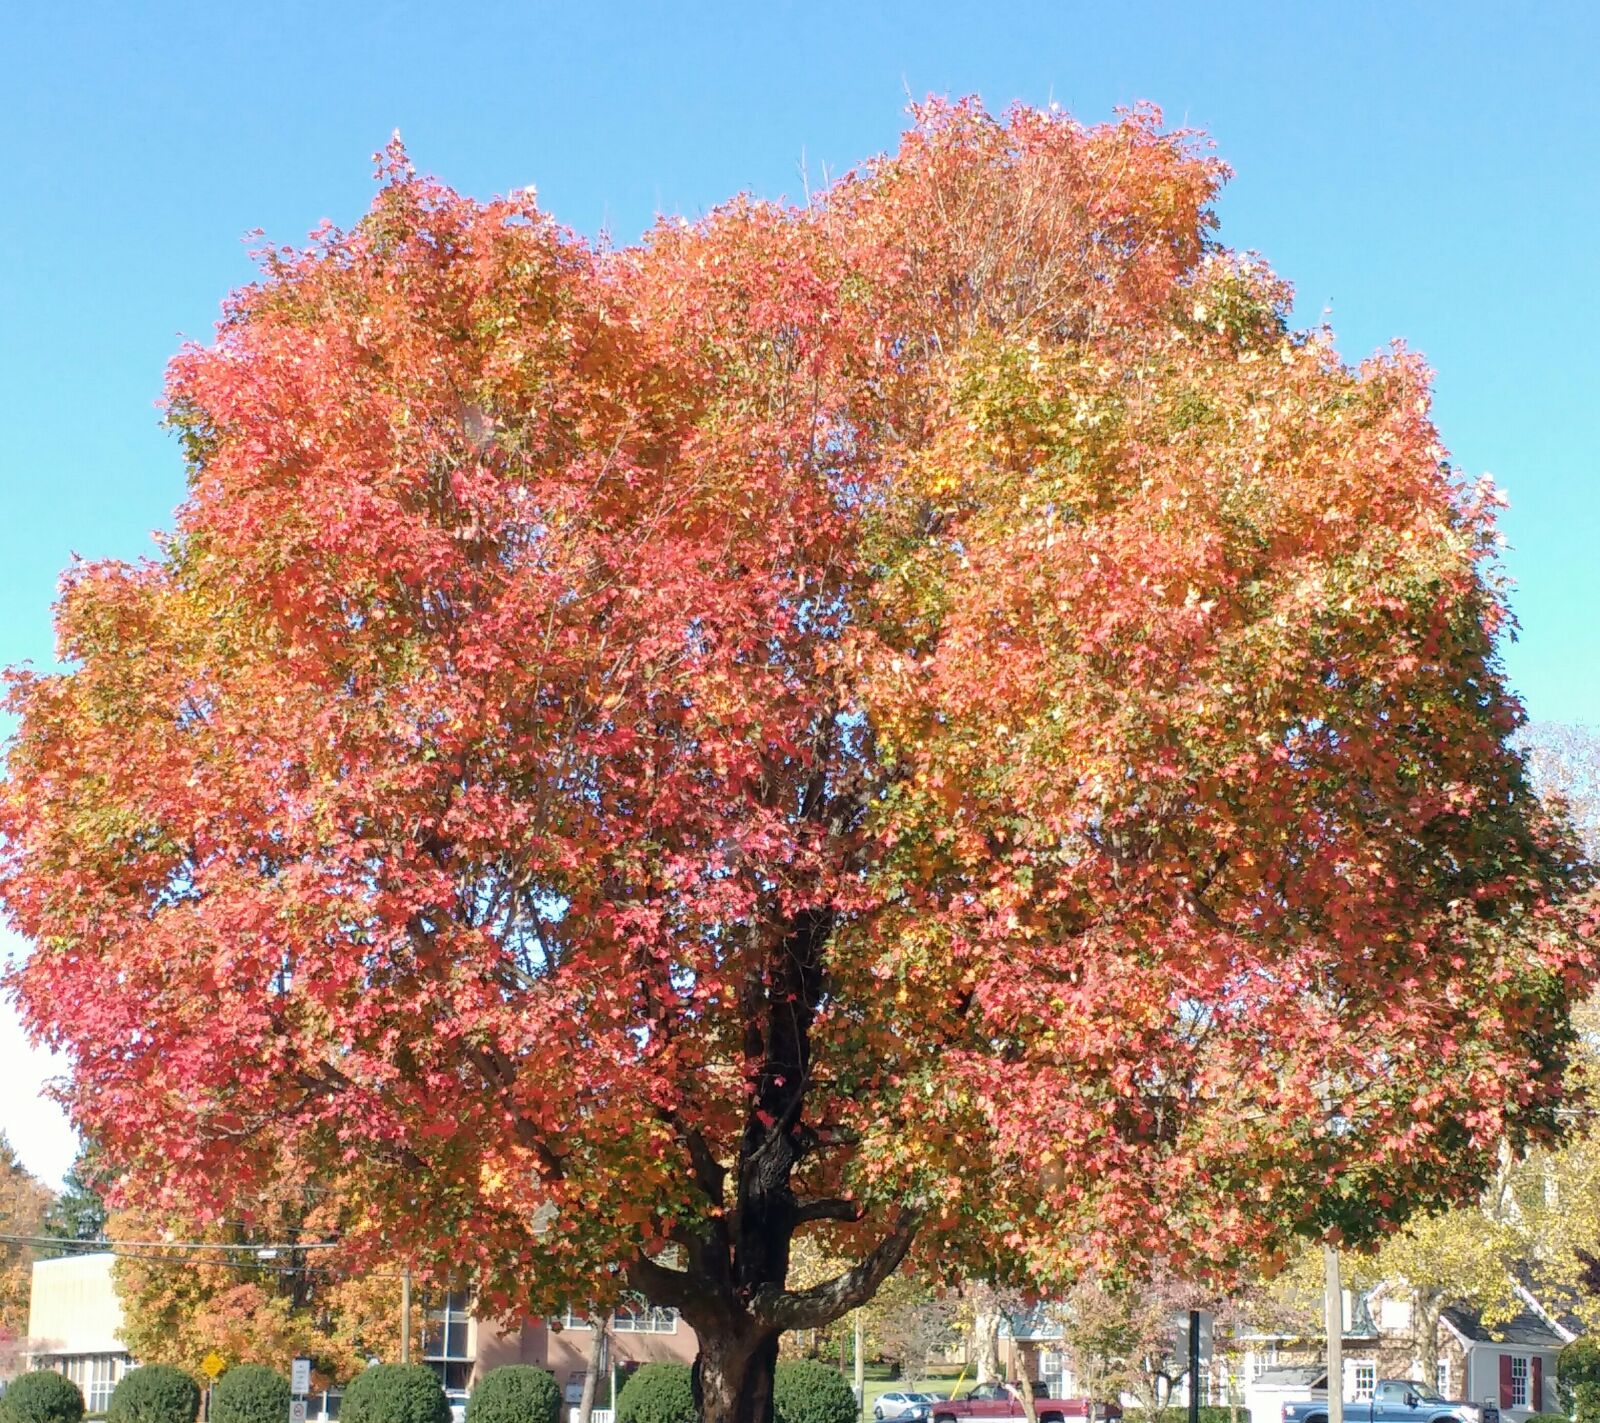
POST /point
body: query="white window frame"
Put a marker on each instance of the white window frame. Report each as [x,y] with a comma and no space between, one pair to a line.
[1362,1391]
[1521,1380]
[455,1308]
[96,1375]
[1441,1378]
[634,1315]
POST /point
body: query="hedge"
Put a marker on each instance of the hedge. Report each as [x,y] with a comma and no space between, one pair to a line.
[515,1393]
[43,1396]
[250,1393]
[1209,1413]
[154,1393]
[657,1393]
[803,1391]
[806,1391]
[395,1393]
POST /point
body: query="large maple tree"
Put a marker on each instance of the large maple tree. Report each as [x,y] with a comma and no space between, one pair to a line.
[933,716]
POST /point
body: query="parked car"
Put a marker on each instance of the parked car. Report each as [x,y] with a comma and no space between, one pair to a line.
[1396,1401]
[1004,1401]
[902,1404]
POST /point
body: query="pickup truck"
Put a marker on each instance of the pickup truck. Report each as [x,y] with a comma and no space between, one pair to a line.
[1396,1401]
[1004,1401]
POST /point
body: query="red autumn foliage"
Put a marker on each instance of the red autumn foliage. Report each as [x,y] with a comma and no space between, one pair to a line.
[935,714]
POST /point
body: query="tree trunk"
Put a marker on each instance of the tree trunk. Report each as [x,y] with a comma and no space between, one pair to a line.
[730,1278]
[986,1344]
[597,1359]
[1425,1307]
[732,1379]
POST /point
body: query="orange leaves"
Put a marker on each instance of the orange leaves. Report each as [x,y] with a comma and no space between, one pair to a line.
[971,569]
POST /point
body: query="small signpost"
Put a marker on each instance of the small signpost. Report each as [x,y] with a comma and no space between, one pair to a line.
[299,1387]
[211,1366]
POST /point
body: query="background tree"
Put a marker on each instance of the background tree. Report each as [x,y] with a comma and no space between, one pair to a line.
[78,1210]
[983,1308]
[180,1304]
[934,717]
[1564,764]
[24,1200]
[907,1323]
[1462,1257]
[1123,1337]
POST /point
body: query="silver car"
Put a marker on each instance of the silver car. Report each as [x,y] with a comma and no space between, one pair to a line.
[902,1405]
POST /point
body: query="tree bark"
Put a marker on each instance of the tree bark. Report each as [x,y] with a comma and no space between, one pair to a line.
[986,1344]
[1425,1306]
[596,1361]
[732,1378]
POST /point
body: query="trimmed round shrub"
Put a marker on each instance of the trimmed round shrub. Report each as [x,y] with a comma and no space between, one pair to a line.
[515,1393]
[43,1396]
[657,1393]
[805,1391]
[250,1393]
[395,1393]
[154,1393]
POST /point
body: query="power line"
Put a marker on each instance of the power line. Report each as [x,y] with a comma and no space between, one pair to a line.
[55,1240]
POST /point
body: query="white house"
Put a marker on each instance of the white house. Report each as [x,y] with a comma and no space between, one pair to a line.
[1511,1365]
[75,1323]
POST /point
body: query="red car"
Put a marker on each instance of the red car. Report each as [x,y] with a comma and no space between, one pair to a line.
[1004,1401]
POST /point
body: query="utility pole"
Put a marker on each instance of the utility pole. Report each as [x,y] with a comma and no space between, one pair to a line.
[1333,1321]
[405,1318]
[861,1372]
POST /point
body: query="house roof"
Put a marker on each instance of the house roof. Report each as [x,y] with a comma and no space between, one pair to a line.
[1525,1328]
[1553,1301]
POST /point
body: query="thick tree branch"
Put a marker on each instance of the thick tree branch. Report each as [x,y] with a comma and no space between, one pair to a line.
[776,1309]
[671,1289]
[827,1208]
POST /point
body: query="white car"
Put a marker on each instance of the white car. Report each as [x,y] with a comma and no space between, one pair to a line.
[901,1405]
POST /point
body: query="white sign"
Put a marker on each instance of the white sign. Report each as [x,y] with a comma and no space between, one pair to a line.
[297,1410]
[300,1382]
[1180,1321]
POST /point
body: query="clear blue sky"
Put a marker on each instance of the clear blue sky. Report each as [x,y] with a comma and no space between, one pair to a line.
[1430,171]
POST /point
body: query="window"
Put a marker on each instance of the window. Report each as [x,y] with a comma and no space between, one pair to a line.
[1441,1379]
[1366,1380]
[96,1375]
[1519,1381]
[446,1342]
[635,1316]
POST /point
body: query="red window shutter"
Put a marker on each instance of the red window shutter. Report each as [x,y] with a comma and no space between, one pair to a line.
[1536,1384]
[1505,1380]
